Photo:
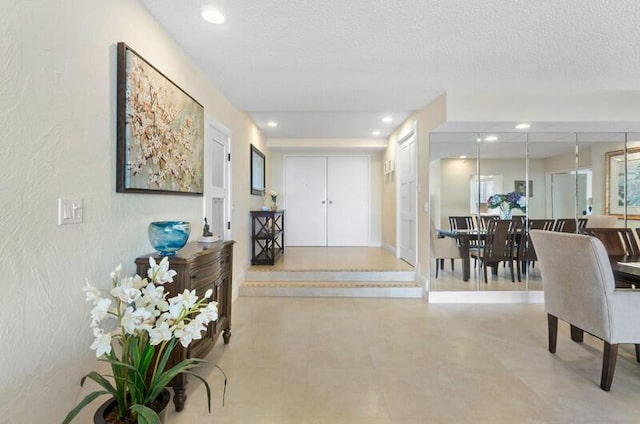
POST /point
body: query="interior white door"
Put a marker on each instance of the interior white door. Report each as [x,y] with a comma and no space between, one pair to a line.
[407,240]
[305,195]
[348,200]
[217,180]
[563,192]
[563,189]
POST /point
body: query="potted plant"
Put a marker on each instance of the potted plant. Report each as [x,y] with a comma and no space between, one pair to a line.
[146,327]
[507,202]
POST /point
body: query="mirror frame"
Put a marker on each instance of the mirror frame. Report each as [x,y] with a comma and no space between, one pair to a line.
[258,172]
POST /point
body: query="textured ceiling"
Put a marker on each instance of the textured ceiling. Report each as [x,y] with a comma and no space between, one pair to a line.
[375,57]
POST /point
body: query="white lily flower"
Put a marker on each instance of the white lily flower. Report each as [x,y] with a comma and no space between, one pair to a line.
[102,343]
[187,298]
[139,282]
[210,311]
[160,333]
[115,274]
[160,273]
[99,312]
[208,294]
[137,320]
[184,335]
[125,290]
[92,293]
[175,309]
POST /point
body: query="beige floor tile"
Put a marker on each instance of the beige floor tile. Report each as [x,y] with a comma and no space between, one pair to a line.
[403,361]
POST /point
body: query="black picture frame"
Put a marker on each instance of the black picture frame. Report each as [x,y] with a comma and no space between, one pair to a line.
[160,131]
[258,172]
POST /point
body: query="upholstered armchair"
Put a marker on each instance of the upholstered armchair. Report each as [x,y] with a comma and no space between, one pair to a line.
[443,248]
[579,288]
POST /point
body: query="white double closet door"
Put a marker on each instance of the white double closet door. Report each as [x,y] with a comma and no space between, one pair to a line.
[326,200]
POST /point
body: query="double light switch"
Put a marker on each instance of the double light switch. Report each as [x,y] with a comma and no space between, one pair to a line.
[69,211]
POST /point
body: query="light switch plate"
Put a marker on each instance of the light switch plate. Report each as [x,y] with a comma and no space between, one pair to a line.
[69,211]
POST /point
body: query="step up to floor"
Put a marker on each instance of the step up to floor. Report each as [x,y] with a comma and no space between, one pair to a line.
[397,289]
[333,275]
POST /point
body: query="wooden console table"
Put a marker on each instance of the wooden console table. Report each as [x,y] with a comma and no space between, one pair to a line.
[199,266]
[267,237]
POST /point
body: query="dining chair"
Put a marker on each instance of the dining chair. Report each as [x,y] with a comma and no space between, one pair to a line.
[461,223]
[443,248]
[484,220]
[601,221]
[541,224]
[582,222]
[565,225]
[498,246]
[616,241]
[579,288]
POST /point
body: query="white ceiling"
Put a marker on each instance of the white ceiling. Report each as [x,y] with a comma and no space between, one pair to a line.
[333,68]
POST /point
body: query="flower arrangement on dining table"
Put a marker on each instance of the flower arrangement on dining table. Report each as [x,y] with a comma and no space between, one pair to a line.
[147,328]
[507,202]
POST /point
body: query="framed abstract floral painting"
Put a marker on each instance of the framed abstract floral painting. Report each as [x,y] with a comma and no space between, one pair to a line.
[160,131]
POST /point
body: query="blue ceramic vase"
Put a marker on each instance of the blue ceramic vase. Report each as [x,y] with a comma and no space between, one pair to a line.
[167,237]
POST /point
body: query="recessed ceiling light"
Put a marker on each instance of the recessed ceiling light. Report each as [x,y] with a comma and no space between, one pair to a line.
[523,126]
[463,157]
[491,138]
[212,15]
[376,132]
[272,124]
[387,119]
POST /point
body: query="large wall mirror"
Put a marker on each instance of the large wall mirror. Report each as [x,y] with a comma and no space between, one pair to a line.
[552,180]
[257,171]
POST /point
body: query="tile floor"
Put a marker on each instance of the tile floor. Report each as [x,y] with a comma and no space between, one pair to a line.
[383,361]
[335,259]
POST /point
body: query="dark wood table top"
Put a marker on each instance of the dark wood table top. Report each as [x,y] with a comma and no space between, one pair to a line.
[625,273]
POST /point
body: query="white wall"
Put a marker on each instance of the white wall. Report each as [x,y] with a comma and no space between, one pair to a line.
[58,121]
[375,178]
[552,106]
[454,184]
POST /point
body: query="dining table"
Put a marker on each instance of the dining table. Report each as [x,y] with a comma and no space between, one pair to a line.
[465,238]
[626,271]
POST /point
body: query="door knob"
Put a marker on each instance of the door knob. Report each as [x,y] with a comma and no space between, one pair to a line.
[331,202]
[323,202]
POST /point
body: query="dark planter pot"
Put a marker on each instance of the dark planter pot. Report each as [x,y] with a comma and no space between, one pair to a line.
[160,406]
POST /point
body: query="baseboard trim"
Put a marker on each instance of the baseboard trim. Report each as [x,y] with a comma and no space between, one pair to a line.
[389,249]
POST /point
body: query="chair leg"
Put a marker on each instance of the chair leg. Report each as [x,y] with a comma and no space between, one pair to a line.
[484,271]
[437,267]
[577,335]
[519,271]
[513,279]
[638,352]
[442,264]
[608,365]
[451,264]
[552,325]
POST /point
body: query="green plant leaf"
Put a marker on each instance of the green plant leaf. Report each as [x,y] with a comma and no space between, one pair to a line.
[163,379]
[101,381]
[206,385]
[87,400]
[165,356]
[146,415]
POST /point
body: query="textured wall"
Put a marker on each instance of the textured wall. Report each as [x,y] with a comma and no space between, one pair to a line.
[426,120]
[57,117]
